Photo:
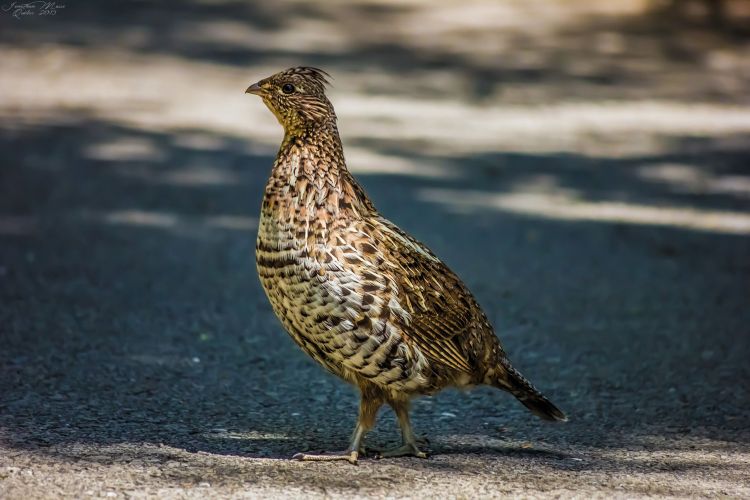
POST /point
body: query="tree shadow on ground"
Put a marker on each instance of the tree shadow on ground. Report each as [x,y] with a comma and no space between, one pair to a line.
[132,313]
[134,330]
[646,54]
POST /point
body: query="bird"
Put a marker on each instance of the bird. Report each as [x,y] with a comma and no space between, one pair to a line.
[359,295]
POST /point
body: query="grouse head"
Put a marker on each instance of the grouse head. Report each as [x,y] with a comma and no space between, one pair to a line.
[296,97]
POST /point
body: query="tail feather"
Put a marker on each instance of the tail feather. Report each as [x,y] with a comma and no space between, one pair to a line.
[512,381]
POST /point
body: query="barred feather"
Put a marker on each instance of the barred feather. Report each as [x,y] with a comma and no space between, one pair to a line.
[365,299]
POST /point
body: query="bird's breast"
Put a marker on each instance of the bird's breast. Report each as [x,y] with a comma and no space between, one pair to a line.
[317,293]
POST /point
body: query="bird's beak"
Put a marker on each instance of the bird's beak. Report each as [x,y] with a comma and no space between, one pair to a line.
[254,89]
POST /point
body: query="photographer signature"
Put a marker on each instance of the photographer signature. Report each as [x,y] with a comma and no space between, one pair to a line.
[37,8]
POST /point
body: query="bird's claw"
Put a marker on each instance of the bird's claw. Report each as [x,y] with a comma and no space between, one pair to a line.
[351,456]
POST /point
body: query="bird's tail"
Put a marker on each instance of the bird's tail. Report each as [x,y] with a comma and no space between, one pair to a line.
[511,380]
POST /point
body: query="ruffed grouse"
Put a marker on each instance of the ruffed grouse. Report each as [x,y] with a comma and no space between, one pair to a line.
[363,298]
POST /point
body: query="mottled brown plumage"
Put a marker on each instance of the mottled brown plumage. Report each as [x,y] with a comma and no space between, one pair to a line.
[363,298]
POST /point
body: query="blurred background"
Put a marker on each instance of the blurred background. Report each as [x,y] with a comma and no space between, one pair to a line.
[584,166]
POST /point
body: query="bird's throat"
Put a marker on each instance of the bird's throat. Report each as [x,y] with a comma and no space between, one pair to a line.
[310,176]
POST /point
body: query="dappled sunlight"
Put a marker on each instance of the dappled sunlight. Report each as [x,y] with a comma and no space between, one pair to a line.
[610,129]
[366,161]
[125,149]
[141,218]
[167,101]
[232,222]
[301,35]
[536,64]
[693,179]
[201,176]
[583,166]
[184,176]
[199,141]
[247,435]
[660,457]
[564,207]
[180,224]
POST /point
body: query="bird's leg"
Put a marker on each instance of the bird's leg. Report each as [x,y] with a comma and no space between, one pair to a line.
[410,446]
[368,408]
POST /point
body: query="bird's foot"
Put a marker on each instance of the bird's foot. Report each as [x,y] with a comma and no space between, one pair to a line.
[405,450]
[351,456]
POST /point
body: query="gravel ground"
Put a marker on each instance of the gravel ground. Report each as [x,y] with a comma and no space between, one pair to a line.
[139,357]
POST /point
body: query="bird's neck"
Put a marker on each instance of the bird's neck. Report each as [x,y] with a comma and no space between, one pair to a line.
[310,172]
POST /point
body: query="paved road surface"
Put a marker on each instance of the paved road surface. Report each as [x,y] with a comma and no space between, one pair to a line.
[607,240]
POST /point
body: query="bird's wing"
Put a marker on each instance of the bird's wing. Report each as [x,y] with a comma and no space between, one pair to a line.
[440,305]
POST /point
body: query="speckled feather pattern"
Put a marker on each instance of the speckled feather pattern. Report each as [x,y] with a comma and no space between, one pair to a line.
[359,295]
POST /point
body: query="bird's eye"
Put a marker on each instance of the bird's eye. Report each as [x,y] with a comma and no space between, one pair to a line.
[288,88]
